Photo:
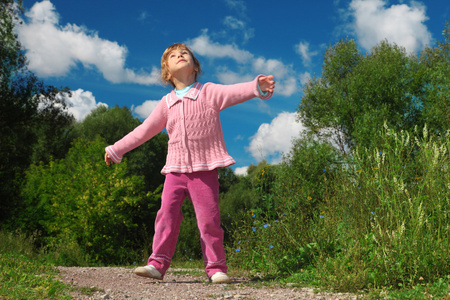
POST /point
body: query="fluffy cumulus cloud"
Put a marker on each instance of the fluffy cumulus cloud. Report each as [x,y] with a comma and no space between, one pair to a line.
[81,103]
[53,49]
[146,108]
[249,64]
[274,139]
[402,24]
[202,45]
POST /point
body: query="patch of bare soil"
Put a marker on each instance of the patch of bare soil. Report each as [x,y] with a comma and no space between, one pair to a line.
[121,283]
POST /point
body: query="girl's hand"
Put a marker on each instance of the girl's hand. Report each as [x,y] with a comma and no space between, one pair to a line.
[108,159]
[266,83]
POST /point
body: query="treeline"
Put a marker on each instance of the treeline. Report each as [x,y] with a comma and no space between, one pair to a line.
[360,201]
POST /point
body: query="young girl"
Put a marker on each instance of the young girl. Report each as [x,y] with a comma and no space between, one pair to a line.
[190,113]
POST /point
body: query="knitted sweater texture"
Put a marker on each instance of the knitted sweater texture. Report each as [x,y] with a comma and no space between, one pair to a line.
[196,141]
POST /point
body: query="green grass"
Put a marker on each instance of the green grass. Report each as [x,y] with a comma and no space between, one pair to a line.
[23,274]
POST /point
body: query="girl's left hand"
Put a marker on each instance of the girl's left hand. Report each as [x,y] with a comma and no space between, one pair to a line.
[266,83]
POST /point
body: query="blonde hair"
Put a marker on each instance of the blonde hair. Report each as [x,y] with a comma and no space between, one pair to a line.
[165,69]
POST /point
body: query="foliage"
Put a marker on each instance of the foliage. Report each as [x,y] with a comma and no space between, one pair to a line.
[357,93]
[377,214]
[281,241]
[392,205]
[80,201]
[436,64]
[32,117]
[112,124]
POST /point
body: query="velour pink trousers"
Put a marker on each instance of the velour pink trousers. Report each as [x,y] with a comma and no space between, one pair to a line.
[203,190]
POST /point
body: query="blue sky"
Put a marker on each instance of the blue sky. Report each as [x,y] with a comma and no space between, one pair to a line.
[108,52]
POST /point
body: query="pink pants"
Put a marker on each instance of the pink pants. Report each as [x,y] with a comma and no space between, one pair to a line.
[203,190]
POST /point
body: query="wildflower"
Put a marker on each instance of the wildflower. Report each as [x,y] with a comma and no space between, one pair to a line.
[358,171]
[266,225]
[324,170]
[254,229]
[253,215]
[322,216]
[228,215]
[372,213]
[237,250]
[309,198]
[380,153]
[270,246]
[239,242]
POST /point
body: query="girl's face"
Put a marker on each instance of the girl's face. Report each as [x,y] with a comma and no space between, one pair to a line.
[180,63]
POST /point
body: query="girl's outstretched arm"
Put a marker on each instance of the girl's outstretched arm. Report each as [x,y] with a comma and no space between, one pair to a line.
[266,83]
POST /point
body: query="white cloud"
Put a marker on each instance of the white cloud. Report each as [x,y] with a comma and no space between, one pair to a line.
[303,49]
[202,45]
[401,24]
[146,108]
[241,171]
[274,139]
[249,65]
[230,77]
[81,103]
[53,50]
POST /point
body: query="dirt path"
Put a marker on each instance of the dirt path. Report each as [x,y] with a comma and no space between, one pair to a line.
[121,283]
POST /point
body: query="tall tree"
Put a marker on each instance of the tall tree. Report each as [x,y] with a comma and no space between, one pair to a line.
[25,104]
[114,123]
[357,93]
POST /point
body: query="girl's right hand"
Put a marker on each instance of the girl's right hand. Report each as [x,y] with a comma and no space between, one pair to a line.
[108,159]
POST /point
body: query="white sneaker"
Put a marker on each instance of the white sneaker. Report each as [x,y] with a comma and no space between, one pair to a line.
[148,271]
[220,277]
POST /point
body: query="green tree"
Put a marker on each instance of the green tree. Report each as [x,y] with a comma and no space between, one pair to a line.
[357,93]
[436,104]
[80,200]
[25,105]
[114,123]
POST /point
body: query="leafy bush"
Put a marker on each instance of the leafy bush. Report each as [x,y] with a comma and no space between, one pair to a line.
[78,200]
[277,236]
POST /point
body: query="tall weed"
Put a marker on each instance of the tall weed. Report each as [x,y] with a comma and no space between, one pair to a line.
[377,219]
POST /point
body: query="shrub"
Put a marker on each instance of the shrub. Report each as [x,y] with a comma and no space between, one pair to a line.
[78,200]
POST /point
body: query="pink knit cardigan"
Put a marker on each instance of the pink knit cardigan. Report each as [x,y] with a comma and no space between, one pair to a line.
[196,141]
